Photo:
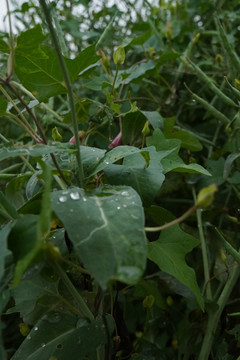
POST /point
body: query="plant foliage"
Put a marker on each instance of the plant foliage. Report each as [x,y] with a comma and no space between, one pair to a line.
[120,181]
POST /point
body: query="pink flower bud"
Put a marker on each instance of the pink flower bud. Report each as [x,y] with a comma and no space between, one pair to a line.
[73,141]
[116,141]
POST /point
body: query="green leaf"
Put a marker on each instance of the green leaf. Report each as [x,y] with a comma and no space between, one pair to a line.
[26,237]
[173,162]
[24,243]
[141,39]
[32,290]
[113,156]
[4,48]
[91,156]
[81,62]
[168,56]
[188,140]
[62,335]
[110,246]
[154,118]
[36,150]
[14,189]
[38,68]
[139,71]
[132,125]
[147,181]
[44,220]
[31,38]
[169,252]
[6,208]
[4,232]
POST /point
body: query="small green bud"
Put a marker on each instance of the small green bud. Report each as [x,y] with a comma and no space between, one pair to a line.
[237,84]
[53,251]
[146,130]
[206,196]
[219,58]
[233,219]
[223,256]
[148,301]
[24,329]
[119,55]
[169,301]
[196,38]
[56,135]
[169,32]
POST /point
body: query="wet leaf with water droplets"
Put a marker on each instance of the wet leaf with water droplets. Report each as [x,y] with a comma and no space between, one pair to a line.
[109,245]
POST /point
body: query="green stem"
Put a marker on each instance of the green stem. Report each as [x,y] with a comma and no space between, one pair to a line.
[215,316]
[10,168]
[42,105]
[84,309]
[12,50]
[207,283]
[172,223]
[115,78]
[6,141]
[235,254]
[28,129]
[69,89]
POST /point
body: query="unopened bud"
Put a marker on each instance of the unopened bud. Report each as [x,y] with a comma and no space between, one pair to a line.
[237,84]
[56,135]
[24,329]
[148,301]
[119,55]
[146,130]
[219,58]
[196,38]
[206,196]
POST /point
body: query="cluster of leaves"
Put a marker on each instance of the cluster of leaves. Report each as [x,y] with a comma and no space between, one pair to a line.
[106,250]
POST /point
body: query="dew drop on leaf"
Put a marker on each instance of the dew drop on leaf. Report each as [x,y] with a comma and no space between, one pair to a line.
[124,193]
[63,198]
[74,195]
[35,328]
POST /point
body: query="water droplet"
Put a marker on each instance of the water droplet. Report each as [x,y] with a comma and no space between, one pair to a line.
[43,345]
[75,196]
[93,150]
[119,207]
[84,199]
[29,337]
[63,198]
[124,193]
[35,328]
[106,162]
[124,205]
